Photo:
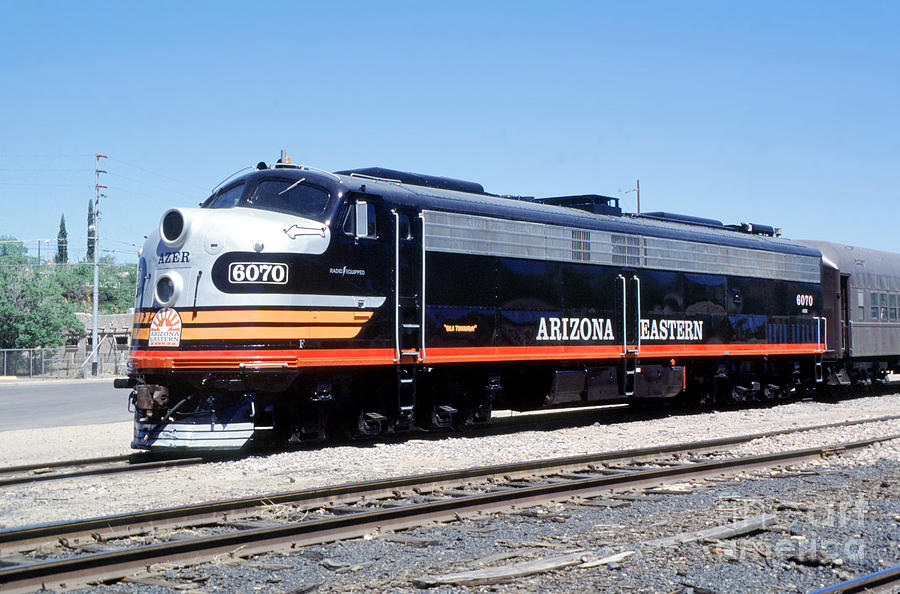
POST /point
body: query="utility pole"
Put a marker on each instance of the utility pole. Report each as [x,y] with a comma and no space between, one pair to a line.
[639,196]
[97,196]
[636,189]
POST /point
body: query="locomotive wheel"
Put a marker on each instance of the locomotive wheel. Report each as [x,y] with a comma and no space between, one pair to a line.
[707,394]
[707,398]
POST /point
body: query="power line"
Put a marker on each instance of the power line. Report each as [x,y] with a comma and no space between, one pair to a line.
[46,185]
[45,156]
[152,185]
[121,190]
[67,240]
[41,170]
[132,192]
[26,240]
[153,172]
[123,242]
[48,264]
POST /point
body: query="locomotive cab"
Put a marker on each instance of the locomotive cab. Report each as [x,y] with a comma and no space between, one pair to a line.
[215,280]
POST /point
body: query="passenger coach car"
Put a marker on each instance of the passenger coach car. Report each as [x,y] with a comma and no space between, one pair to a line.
[861,290]
[297,303]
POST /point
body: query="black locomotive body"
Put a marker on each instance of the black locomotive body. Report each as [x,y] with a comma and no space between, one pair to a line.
[298,303]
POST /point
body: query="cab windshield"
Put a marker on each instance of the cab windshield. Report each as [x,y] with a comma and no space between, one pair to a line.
[226,198]
[291,196]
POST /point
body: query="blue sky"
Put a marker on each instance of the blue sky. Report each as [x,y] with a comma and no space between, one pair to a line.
[771,112]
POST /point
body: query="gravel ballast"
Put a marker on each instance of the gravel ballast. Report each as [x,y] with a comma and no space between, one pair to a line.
[71,499]
[834,519]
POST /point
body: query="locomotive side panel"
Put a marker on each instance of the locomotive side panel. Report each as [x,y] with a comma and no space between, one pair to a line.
[529,305]
[543,295]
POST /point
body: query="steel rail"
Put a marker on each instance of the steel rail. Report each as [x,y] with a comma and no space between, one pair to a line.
[865,583]
[109,565]
[66,463]
[123,466]
[114,526]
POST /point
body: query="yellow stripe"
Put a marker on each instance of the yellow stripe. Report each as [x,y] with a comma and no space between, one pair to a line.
[294,324]
[263,333]
[266,333]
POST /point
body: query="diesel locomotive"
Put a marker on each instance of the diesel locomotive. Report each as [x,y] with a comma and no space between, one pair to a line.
[296,304]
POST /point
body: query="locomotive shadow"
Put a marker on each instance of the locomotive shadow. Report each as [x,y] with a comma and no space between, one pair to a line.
[601,416]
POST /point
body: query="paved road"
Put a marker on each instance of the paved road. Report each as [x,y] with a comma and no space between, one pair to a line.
[30,404]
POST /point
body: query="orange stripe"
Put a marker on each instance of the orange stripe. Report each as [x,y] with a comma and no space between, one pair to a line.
[233,359]
[474,354]
[724,350]
[529,353]
[142,359]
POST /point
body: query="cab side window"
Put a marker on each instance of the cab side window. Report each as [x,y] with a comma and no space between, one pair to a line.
[404,227]
[227,198]
[359,221]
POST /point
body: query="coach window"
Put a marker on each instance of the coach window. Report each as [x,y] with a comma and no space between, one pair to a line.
[874,301]
[861,306]
[893,314]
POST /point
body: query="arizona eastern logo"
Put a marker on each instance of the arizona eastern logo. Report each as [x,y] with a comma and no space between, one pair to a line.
[585,329]
[165,329]
[575,329]
[689,330]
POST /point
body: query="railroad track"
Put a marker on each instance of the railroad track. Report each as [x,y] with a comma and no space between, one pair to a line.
[347,511]
[880,581]
[49,471]
[139,462]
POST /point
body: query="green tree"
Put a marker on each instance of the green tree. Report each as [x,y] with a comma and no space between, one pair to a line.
[46,319]
[116,285]
[12,251]
[62,245]
[33,311]
[37,304]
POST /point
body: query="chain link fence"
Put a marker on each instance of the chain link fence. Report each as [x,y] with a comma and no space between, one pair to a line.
[62,362]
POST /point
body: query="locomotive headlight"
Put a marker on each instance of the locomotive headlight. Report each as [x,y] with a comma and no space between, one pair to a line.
[168,288]
[173,228]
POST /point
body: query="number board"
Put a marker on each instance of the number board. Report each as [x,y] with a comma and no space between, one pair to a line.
[266,273]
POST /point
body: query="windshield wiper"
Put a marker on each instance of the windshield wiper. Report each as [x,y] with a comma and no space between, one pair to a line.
[292,186]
